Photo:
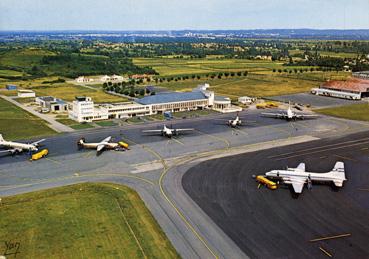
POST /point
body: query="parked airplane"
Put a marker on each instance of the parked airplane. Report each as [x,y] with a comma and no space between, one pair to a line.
[298,176]
[103,145]
[234,122]
[167,132]
[16,147]
[288,115]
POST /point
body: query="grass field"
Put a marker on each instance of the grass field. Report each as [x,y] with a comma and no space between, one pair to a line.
[10,73]
[24,57]
[15,123]
[106,123]
[261,85]
[358,111]
[73,124]
[82,221]
[175,67]
[261,80]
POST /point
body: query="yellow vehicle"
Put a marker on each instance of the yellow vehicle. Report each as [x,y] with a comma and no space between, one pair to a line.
[40,154]
[268,183]
[123,144]
[271,105]
[260,106]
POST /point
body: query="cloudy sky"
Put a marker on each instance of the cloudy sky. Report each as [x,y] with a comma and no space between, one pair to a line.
[182,14]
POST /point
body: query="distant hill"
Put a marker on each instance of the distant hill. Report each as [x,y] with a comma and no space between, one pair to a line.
[129,36]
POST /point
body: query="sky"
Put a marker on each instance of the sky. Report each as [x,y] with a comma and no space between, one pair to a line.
[182,14]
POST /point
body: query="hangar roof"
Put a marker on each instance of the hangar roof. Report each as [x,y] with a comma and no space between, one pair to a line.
[352,85]
[172,97]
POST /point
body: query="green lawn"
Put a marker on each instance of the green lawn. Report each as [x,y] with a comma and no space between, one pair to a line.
[16,123]
[358,111]
[82,221]
[106,123]
[80,126]
[73,124]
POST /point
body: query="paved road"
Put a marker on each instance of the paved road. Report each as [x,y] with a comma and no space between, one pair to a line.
[52,123]
[265,223]
[149,165]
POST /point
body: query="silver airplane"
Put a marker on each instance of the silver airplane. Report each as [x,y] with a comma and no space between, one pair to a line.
[297,177]
[167,132]
[102,145]
[16,147]
[288,115]
[234,123]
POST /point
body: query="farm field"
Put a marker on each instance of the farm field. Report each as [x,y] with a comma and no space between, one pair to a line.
[16,123]
[259,85]
[89,220]
[175,67]
[261,81]
[65,91]
[358,111]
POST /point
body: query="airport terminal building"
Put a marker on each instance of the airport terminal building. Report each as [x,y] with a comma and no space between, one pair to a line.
[354,88]
[84,110]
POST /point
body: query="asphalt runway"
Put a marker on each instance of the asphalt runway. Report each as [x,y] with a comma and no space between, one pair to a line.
[276,224]
[145,165]
[316,101]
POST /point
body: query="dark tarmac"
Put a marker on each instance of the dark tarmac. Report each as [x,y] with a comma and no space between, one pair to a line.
[276,224]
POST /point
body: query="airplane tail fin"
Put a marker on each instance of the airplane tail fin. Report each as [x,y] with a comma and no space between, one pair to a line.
[339,173]
[1,138]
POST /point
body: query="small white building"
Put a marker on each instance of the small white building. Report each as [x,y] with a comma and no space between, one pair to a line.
[52,104]
[246,100]
[113,78]
[84,79]
[26,94]
[84,110]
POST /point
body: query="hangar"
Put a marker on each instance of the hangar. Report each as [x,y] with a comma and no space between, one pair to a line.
[354,88]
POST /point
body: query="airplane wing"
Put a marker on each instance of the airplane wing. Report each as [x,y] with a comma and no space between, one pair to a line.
[273,115]
[296,182]
[297,187]
[7,151]
[301,167]
[152,131]
[306,116]
[106,139]
[38,142]
[100,147]
[182,130]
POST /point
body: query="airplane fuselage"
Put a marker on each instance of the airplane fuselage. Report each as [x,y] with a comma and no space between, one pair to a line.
[18,146]
[235,122]
[319,177]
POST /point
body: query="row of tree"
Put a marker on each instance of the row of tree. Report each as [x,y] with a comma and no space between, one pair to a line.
[219,75]
[126,89]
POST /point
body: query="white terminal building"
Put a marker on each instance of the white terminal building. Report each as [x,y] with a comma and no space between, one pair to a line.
[84,109]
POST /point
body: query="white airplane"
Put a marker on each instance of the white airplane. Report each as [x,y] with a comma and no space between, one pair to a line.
[298,176]
[103,145]
[234,122]
[167,132]
[289,114]
[16,147]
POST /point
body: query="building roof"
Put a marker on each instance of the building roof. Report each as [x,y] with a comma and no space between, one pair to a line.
[46,98]
[172,97]
[220,98]
[353,85]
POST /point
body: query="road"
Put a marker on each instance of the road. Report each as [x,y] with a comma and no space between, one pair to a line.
[150,165]
[51,122]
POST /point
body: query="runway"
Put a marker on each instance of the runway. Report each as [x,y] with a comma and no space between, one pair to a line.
[265,223]
[148,167]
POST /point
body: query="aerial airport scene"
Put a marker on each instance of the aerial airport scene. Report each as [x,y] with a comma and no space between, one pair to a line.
[195,129]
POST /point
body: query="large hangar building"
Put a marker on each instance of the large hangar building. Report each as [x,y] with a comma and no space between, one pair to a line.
[354,88]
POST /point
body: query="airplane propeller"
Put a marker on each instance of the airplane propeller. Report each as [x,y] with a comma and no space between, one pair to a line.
[309,183]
